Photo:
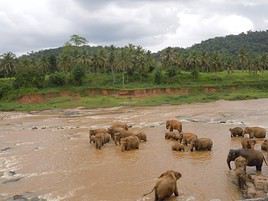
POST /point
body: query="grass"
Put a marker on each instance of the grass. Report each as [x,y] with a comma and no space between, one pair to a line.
[247,86]
[110,101]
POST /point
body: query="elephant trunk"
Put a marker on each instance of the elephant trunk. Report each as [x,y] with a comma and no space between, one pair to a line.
[229,163]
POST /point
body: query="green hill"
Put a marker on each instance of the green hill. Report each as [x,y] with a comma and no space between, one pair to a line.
[253,42]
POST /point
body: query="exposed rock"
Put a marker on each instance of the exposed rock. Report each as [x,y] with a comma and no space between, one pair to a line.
[11,173]
[5,149]
[12,180]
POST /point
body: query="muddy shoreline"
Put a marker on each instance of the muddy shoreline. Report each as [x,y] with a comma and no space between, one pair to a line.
[47,154]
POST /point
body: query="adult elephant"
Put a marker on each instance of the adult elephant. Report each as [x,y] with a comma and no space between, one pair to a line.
[174,125]
[201,144]
[257,132]
[166,185]
[253,157]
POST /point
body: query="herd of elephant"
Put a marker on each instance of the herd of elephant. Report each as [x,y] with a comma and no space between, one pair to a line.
[167,181]
[121,135]
[247,155]
[185,139]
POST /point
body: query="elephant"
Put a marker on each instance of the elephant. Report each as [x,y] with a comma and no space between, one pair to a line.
[130,142]
[178,147]
[91,138]
[241,177]
[122,134]
[98,130]
[113,130]
[240,171]
[173,136]
[257,132]
[201,144]
[187,138]
[166,185]
[237,131]
[248,143]
[120,125]
[264,145]
[142,136]
[240,162]
[174,125]
[106,138]
[253,157]
[99,140]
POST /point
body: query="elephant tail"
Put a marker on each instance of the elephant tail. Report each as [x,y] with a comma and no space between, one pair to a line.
[149,192]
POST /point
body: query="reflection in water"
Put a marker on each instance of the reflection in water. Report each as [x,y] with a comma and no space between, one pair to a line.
[56,162]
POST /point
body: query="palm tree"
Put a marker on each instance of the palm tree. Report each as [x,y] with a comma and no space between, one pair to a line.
[8,64]
[111,61]
[243,60]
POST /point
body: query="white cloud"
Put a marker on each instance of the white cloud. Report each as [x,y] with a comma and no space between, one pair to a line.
[30,25]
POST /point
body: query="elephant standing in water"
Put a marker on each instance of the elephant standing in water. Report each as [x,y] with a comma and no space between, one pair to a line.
[253,157]
[128,143]
[237,131]
[166,185]
[201,144]
[257,132]
[174,125]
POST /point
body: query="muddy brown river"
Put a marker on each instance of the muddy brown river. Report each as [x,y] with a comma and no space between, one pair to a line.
[47,154]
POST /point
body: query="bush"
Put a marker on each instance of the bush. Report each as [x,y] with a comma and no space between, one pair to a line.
[57,79]
[29,77]
[158,76]
[78,73]
[4,89]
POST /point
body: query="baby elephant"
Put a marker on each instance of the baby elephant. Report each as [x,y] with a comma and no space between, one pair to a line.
[257,132]
[187,138]
[240,171]
[174,125]
[142,136]
[99,140]
[178,147]
[128,143]
[166,185]
[201,144]
[240,162]
[248,143]
[237,131]
[264,145]
[173,136]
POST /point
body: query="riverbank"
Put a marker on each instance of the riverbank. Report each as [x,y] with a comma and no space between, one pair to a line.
[209,87]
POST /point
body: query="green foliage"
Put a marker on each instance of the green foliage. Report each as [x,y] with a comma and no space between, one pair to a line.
[5,88]
[57,79]
[158,76]
[78,73]
[29,77]
[195,73]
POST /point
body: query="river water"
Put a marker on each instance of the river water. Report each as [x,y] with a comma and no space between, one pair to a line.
[47,154]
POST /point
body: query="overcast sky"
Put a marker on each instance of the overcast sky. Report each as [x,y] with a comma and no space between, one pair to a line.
[27,25]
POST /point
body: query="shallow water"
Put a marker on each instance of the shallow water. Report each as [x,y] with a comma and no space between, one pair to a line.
[51,156]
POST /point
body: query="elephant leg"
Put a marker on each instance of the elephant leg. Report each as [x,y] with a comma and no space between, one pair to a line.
[258,167]
[155,195]
[176,190]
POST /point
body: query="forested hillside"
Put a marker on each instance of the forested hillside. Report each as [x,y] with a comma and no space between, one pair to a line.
[253,42]
[76,63]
